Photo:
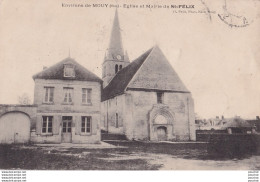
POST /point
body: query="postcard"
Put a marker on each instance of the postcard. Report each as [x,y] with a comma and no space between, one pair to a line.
[129,85]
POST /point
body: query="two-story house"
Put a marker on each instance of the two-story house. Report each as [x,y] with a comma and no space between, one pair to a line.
[67,97]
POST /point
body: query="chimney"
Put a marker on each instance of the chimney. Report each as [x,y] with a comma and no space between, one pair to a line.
[257,118]
[217,117]
[44,67]
[222,117]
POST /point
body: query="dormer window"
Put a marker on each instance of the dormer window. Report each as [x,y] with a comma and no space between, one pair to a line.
[69,70]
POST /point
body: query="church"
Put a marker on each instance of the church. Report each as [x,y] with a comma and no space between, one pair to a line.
[144,99]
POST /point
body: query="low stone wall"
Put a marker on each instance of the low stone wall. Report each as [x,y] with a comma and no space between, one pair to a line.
[30,110]
[233,145]
[204,135]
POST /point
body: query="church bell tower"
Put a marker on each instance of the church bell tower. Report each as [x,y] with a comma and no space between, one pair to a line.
[115,57]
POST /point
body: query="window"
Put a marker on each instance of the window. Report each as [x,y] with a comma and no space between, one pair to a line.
[116,68]
[159,97]
[116,120]
[69,70]
[48,98]
[86,96]
[86,124]
[68,95]
[47,124]
[66,124]
[120,67]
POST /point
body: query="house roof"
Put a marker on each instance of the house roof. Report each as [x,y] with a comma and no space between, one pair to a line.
[56,72]
[155,73]
[118,84]
[237,123]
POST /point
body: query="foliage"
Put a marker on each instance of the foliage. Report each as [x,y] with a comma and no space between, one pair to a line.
[24,99]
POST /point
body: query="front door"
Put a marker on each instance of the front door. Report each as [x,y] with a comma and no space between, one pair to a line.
[161,133]
[66,136]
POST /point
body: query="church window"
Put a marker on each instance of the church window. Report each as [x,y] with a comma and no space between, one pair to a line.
[116,68]
[68,95]
[86,124]
[86,95]
[120,67]
[47,124]
[159,97]
[48,97]
[116,120]
[69,70]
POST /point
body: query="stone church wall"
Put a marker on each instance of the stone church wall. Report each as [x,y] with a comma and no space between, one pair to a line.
[112,109]
[137,127]
[133,110]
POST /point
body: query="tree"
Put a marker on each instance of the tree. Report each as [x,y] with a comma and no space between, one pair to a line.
[24,99]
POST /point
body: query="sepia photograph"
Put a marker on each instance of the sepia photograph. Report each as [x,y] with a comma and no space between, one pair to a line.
[129,85]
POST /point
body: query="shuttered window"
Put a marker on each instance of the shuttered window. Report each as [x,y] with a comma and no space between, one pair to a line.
[86,95]
[49,92]
[47,124]
[68,95]
[86,124]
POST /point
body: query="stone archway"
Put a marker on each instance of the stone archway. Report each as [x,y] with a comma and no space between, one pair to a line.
[161,122]
[160,119]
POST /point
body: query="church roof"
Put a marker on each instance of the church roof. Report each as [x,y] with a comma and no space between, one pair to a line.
[56,72]
[118,84]
[150,71]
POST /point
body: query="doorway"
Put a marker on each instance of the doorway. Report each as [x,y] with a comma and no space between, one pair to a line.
[14,128]
[66,136]
[162,133]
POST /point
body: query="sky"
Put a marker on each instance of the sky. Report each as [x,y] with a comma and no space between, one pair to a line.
[219,64]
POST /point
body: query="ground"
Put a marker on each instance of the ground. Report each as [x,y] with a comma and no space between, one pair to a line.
[116,155]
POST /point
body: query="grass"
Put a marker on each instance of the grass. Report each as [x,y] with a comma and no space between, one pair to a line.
[134,156]
[35,158]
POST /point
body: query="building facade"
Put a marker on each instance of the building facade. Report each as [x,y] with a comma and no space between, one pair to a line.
[145,99]
[66,108]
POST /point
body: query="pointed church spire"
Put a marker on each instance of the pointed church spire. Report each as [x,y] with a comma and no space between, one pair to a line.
[115,48]
[115,59]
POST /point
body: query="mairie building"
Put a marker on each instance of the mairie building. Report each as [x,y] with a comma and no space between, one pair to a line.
[66,108]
